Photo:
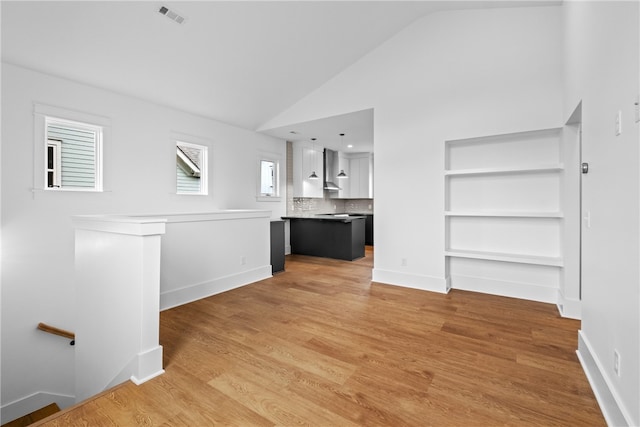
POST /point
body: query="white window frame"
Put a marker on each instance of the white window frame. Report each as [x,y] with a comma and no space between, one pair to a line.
[47,114]
[72,124]
[277,161]
[204,167]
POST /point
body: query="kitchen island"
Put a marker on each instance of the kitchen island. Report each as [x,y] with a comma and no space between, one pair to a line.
[328,236]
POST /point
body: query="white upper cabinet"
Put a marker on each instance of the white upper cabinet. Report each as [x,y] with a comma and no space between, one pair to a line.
[359,168]
[307,158]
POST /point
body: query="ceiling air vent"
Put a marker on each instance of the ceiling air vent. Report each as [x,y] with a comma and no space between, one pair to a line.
[171,14]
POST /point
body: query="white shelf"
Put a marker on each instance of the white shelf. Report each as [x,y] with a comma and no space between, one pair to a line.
[506,257]
[505,214]
[501,171]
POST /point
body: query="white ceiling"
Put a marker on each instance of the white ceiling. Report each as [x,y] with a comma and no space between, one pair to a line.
[238,62]
[357,128]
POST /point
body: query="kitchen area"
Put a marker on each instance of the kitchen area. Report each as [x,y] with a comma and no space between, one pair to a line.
[330,187]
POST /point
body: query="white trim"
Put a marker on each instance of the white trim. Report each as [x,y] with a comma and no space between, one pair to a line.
[137,381]
[570,308]
[134,226]
[148,365]
[44,114]
[211,287]
[204,216]
[527,291]
[28,404]
[73,115]
[611,405]
[409,280]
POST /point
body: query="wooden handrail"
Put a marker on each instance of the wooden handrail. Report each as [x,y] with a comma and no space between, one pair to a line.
[57,331]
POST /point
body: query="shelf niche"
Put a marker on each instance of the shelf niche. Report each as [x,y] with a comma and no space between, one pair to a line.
[503,214]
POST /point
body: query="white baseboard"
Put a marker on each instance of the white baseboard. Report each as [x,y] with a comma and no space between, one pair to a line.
[141,368]
[26,405]
[212,287]
[615,414]
[570,308]
[506,289]
[407,280]
[148,365]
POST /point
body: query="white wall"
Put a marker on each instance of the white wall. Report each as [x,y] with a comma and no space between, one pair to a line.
[204,255]
[601,70]
[449,75]
[37,234]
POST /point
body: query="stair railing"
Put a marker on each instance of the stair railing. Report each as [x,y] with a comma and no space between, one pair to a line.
[57,331]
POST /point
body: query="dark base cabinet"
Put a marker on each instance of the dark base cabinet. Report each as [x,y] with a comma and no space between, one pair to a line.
[328,238]
[368,232]
[368,228]
[277,246]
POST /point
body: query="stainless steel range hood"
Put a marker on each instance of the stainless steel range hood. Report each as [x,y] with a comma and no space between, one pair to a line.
[330,167]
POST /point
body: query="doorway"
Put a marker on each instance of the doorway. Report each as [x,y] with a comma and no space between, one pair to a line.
[570,294]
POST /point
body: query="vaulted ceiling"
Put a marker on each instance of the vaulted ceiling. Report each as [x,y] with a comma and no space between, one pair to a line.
[238,62]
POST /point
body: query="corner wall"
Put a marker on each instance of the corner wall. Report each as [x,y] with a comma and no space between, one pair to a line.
[602,54]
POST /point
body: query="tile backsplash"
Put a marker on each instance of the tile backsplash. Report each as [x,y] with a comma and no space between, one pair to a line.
[304,206]
[358,206]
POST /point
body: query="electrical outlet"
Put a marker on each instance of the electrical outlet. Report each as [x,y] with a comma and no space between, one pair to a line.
[637,108]
[403,262]
[616,362]
[619,123]
[243,260]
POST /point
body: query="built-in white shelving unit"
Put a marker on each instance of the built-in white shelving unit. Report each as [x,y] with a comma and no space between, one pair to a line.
[503,213]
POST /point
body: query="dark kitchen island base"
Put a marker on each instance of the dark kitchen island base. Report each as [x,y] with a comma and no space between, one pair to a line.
[328,237]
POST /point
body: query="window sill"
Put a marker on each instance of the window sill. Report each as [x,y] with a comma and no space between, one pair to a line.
[268,199]
[68,190]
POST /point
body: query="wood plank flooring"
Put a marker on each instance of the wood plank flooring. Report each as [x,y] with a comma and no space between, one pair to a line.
[34,416]
[321,345]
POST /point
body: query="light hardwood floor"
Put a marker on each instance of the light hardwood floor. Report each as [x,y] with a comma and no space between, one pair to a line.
[321,345]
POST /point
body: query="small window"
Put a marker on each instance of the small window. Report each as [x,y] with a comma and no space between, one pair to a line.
[268,183]
[268,179]
[191,168]
[73,155]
